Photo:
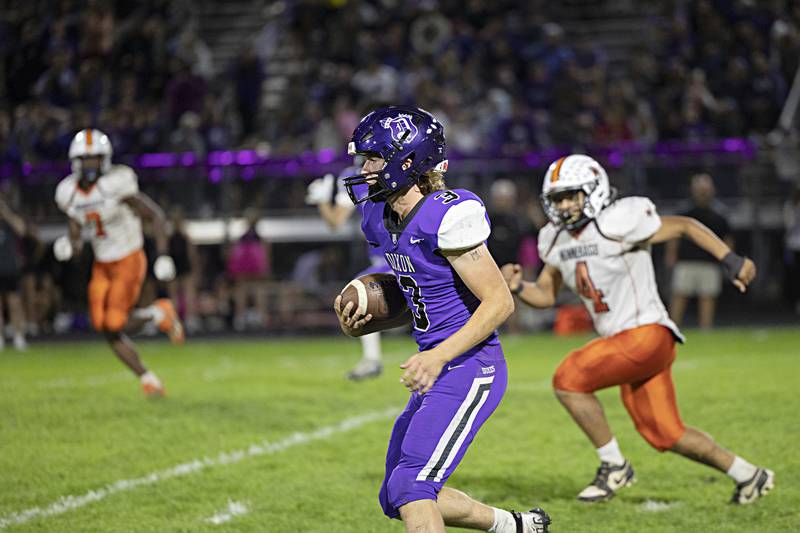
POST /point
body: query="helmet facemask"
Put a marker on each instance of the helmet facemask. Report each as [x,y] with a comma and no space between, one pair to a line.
[88,174]
[409,140]
[569,176]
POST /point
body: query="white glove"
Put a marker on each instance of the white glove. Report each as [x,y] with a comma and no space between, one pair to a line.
[62,248]
[164,268]
[320,191]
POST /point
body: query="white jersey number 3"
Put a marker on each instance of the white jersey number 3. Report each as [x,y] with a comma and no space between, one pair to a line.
[587,289]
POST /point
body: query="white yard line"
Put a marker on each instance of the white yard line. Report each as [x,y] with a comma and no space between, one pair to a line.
[233,509]
[265,447]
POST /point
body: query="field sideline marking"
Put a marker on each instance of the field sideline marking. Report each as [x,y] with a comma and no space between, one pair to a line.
[233,509]
[265,447]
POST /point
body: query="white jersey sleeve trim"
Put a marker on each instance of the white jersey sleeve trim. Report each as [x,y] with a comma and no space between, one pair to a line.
[463,226]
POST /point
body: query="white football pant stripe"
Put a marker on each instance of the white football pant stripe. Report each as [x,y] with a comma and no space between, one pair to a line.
[458,429]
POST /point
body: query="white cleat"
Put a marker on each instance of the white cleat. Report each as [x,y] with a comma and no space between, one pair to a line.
[365,369]
[749,491]
[608,480]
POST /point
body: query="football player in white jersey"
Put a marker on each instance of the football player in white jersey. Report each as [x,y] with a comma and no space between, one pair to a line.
[105,199]
[334,205]
[600,248]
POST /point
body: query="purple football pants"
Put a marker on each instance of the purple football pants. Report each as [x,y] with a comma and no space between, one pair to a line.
[432,434]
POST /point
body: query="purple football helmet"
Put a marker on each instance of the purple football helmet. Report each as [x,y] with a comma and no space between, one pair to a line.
[396,134]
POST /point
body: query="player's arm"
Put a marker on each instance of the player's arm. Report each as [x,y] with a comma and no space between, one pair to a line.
[334,214]
[741,270]
[333,209]
[12,219]
[69,245]
[147,209]
[480,274]
[540,294]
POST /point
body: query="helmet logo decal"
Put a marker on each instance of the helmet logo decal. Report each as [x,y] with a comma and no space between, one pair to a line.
[399,125]
[554,176]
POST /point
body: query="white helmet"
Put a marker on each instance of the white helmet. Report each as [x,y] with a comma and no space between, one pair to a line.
[90,142]
[572,173]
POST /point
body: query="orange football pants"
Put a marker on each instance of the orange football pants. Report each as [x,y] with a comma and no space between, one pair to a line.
[639,360]
[114,290]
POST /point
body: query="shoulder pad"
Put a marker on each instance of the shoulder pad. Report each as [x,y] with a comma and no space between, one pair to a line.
[64,191]
[633,219]
[464,223]
[121,181]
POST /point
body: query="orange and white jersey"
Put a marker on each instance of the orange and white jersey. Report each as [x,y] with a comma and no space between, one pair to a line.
[609,268]
[116,230]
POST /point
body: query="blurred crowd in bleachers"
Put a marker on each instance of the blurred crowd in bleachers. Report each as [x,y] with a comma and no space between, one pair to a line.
[501,75]
[505,77]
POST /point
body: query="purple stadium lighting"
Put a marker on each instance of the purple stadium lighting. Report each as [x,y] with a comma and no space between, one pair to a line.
[215,175]
[188,159]
[326,155]
[246,157]
[157,160]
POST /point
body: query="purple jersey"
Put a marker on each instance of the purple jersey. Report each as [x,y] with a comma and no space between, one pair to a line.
[376,259]
[443,220]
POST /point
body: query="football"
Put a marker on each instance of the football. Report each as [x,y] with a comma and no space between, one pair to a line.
[378,295]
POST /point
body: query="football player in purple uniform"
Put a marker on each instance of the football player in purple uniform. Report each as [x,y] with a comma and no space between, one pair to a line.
[434,240]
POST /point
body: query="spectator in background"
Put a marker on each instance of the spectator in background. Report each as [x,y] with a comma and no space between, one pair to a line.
[506,222]
[183,289]
[12,227]
[376,82]
[791,222]
[504,241]
[694,271]
[33,253]
[248,75]
[184,92]
[249,268]
[187,138]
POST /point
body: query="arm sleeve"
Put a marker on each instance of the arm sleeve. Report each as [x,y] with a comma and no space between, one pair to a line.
[464,225]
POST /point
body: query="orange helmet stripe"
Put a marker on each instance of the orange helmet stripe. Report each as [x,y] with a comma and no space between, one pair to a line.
[89,137]
[554,176]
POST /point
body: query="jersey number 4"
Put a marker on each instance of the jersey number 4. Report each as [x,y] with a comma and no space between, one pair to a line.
[94,218]
[421,321]
[587,289]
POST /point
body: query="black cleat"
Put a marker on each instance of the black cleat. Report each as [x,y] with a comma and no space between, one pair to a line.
[534,521]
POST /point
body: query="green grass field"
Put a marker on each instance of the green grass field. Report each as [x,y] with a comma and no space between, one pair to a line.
[274,428]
